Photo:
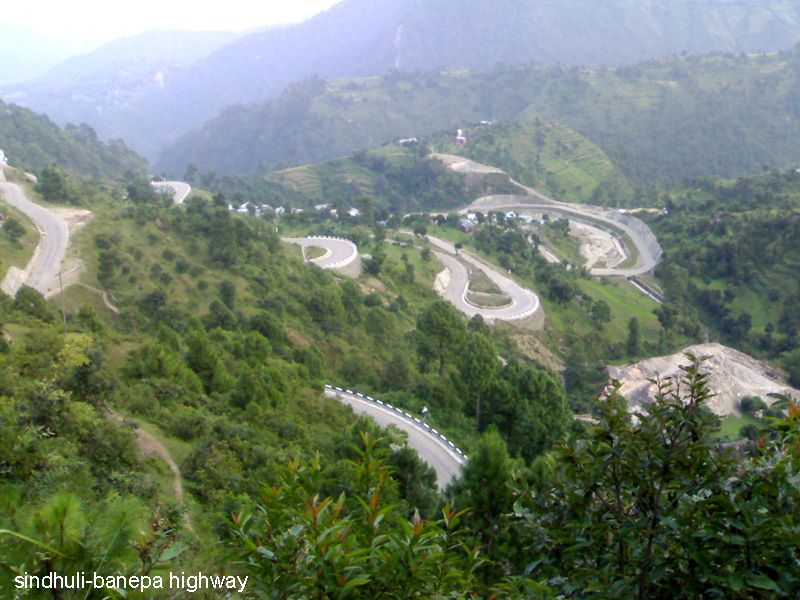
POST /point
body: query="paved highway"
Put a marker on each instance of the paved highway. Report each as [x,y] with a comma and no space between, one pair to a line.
[180,189]
[432,447]
[339,252]
[524,302]
[44,266]
[649,252]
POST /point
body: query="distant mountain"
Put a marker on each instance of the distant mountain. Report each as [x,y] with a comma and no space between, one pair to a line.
[32,141]
[27,54]
[661,121]
[108,86]
[372,37]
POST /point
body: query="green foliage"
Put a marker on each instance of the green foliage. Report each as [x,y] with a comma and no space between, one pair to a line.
[485,488]
[298,542]
[439,329]
[13,229]
[733,114]
[63,537]
[731,263]
[651,509]
[749,405]
[34,142]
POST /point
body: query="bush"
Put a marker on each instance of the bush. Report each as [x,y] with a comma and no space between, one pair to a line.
[750,405]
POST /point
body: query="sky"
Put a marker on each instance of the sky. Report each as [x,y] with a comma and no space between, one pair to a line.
[103,20]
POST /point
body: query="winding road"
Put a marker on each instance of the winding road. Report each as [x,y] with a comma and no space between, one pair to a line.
[432,446]
[524,302]
[339,252]
[42,270]
[648,250]
[181,190]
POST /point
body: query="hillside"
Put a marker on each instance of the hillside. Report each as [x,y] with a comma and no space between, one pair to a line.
[207,369]
[33,142]
[359,37]
[731,263]
[659,122]
[109,86]
[392,178]
[550,157]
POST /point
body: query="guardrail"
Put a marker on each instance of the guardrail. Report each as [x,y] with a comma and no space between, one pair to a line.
[416,422]
[342,263]
[174,186]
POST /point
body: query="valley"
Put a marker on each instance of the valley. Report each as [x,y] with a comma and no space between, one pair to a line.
[405,300]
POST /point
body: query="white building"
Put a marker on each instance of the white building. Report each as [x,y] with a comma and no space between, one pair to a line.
[3,159]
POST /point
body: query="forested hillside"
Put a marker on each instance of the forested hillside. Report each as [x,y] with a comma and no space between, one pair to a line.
[550,157]
[392,179]
[33,142]
[198,329]
[217,344]
[732,263]
[659,122]
[359,38]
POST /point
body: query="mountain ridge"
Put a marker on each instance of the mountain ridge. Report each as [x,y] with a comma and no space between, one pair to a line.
[357,38]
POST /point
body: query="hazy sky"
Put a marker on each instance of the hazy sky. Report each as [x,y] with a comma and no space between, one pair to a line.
[102,20]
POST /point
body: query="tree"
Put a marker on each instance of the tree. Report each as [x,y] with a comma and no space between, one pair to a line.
[478,366]
[227,293]
[439,327]
[529,407]
[374,264]
[52,185]
[652,509]
[66,536]
[632,345]
[13,229]
[750,405]
[298,542]
[601,313]
[484,489]
[31,302]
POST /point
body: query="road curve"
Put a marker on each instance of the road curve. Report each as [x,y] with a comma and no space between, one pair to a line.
[433,447]
[44,266]
[649,251]
[340,252]
[524,302]
[181,190]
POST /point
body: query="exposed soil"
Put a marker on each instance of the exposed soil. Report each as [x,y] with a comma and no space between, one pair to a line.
[598,247]
[732,375]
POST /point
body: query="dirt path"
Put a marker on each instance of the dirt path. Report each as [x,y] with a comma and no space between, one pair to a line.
[150,446]
[105,297]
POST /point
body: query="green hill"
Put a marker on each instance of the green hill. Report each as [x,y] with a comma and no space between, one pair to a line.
[732,264]
[550,157]
[657,122]
[32,142]
[362,38]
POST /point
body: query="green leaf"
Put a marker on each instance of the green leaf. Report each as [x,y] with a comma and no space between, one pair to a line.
[762,582]
[735,582]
